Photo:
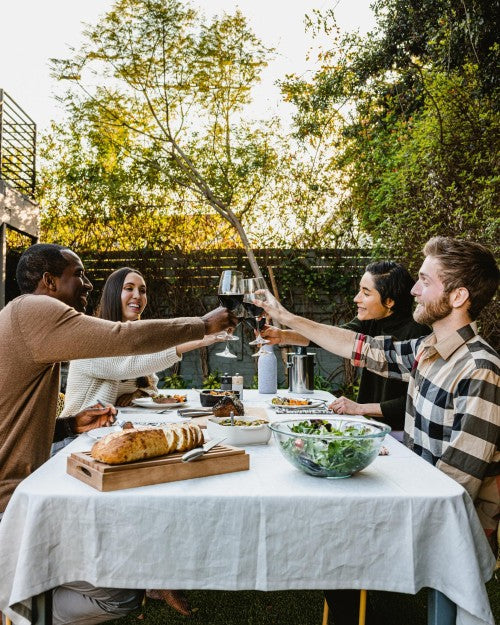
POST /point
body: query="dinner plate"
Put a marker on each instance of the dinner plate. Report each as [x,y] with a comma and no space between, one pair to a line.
[98,433]
[311,403]
[147,402]
[138,420]
[154,419]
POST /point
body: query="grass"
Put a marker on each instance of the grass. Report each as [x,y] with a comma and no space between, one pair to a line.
[286,608]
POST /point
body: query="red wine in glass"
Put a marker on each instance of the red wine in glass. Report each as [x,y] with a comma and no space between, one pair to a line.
[252,309]
[231,301]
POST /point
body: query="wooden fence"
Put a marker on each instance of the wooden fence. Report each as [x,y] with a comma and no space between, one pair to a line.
[319,284]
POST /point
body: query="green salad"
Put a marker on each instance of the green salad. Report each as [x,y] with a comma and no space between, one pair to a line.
[330,457]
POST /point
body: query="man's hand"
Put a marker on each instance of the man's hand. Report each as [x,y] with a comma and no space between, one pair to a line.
[96,416]
[219,319]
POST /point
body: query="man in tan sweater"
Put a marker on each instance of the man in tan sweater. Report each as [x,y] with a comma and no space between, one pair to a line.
[44,326]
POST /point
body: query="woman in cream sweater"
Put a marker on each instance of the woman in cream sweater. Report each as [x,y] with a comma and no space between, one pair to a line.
[119,380]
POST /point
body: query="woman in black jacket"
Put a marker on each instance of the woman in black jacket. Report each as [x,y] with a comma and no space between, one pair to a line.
[384,306]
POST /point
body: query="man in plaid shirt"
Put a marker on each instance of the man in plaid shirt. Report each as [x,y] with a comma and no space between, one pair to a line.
[452,410]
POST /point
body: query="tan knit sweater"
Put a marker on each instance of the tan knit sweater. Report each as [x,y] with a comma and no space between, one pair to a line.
[36,333]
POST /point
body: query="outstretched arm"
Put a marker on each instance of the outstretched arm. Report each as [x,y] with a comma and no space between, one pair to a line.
[335,340]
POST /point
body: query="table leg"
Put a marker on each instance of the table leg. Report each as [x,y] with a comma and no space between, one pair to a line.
[41,606]
[440,609]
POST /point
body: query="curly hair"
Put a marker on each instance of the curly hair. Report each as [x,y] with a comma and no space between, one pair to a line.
[37,260]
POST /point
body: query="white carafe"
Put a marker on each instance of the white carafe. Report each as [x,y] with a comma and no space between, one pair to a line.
[267,371]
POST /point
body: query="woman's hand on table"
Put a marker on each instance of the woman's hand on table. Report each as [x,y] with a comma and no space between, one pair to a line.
[342,405]
[96,416]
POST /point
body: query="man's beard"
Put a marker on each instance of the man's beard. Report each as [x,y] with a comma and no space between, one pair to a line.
[429,313]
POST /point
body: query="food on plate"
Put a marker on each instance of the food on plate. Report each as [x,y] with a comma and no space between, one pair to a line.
[140,443]
[243,422]
[219,393]
[168,399]
[228,405]
[289,401]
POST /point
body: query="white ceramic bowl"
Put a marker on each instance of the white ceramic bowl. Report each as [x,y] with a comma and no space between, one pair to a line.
[239,435]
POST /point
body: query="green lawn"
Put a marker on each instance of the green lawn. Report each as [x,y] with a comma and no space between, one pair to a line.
[285,608]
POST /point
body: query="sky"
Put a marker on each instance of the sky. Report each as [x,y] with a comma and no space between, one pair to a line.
[33,31]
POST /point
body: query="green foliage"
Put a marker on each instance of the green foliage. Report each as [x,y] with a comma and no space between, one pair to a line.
[176,380]
[255,382]
[418,150]
[349,390]
[212,380]
[159,138]
[322,384]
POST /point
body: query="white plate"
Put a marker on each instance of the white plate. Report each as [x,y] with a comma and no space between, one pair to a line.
[138,420]
[147,402]
[154,419]
[313,403]
[100,432]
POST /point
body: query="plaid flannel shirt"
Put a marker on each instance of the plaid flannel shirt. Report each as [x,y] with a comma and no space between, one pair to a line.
[452,409]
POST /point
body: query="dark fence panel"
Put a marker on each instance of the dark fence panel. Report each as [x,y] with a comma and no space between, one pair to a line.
[314,282]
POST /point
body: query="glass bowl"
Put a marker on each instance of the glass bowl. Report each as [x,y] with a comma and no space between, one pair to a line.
[331,447]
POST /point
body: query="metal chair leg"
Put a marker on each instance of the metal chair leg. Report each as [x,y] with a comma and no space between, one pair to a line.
[362,607]
[440,609]
[42,608]
[325,613]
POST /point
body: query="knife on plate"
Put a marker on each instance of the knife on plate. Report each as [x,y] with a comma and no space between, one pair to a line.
[197,452]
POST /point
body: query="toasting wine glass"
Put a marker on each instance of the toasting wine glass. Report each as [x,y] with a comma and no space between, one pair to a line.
[254,312]
[230,295]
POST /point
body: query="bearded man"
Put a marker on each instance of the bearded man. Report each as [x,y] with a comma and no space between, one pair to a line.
[452,410]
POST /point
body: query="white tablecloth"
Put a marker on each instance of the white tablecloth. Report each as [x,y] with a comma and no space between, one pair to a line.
[400,525]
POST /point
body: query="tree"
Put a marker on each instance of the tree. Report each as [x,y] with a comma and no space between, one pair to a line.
[420,141]
[170,95]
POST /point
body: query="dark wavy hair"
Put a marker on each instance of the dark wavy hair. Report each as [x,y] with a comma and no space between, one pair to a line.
[393,281]
[110,304]
[466,264]
[35,261]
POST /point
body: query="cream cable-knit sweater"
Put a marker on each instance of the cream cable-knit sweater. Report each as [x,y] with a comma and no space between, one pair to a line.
[108,378]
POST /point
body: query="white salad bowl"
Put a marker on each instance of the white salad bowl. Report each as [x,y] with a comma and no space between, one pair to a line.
[250,431]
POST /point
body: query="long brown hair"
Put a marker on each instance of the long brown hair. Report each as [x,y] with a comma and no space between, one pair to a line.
[110,304]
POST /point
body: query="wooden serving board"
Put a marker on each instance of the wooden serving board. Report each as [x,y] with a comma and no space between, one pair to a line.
[106,477]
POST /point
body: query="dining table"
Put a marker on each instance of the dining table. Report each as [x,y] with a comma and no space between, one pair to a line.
[399,525]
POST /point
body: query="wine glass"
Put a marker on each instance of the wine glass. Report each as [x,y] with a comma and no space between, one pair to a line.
[254,312]
[230,294]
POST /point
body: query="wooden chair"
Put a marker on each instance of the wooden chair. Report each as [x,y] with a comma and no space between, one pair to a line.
[362,609]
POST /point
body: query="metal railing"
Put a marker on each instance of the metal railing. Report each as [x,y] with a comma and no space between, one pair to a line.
[17,146]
